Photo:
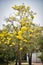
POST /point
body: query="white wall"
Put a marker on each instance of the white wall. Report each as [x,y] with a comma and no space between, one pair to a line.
[35,57]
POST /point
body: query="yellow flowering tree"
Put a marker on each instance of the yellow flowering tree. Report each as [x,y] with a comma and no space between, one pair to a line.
[23,33]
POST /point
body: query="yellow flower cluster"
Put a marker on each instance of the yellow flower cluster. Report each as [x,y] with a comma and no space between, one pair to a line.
[39,28]
[31,31]
[5,37]
[1,34]
[16,7]
[8,38]
[22,7]
[18,13]
[20,33]
[24,19]
[19,37]
[24,28]
[10,45]
[30,35]
[38,33]
[5,42]
[10,34]
[13,43]
[11,18]
[25,40]
[21,48]
[15,33]
[23,23]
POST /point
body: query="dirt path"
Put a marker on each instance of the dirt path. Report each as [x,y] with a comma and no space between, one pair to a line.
[37,64]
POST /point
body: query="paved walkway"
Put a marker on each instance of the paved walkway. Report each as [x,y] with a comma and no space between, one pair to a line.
[34,63]
[37,64]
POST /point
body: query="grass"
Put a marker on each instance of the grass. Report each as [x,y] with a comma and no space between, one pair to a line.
[12,63]
[18,64]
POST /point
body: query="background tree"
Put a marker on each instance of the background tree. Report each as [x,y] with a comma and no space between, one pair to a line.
[6,46]
[41,46]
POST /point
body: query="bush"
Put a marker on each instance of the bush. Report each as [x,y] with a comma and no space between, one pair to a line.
[41,57]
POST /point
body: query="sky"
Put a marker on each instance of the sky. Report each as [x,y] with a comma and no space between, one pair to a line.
[6,9]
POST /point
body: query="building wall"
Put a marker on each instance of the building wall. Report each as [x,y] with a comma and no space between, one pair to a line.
[35,57]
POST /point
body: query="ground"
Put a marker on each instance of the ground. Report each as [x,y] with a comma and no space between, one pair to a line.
[37,63]
[25,64]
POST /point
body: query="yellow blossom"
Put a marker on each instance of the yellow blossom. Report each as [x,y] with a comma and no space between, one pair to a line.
[20,44]
[30,35]
[13,43]
[0,42]
[10,34]
[5,42]
[15,33]
[23,23]
[25,40]
[2,34]
[4,31]
[25,18]
[21,48]
[8,42]
[23,28]
[39,28]
[16,7]
[20,32]
[19,37]
[11,18]
[25,36]
[18,13]
[10,45]
[31,31]
[38,33]
[8,38]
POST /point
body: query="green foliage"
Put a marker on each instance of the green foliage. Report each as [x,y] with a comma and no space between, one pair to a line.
[41,42]
[41,57]
[6,53]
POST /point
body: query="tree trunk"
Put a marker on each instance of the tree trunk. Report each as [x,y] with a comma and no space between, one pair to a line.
[19,61]
[19,55]
[16,60]
[19,58]
[7,62]
[30,59]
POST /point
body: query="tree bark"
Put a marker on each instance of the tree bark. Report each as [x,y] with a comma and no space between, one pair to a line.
[7,62]
[19,57]
[30,59]
[19,54]
[16,60]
